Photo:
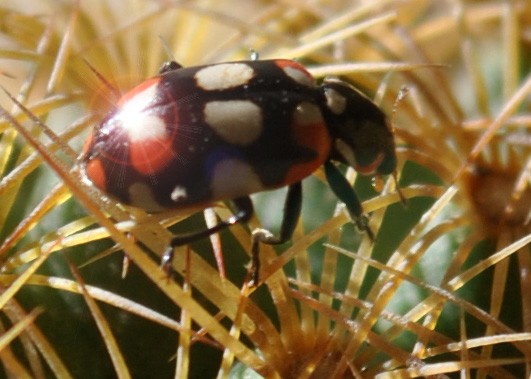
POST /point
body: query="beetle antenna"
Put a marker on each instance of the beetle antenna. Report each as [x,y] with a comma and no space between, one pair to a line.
[167,48]
[403,199]
[171,64]
[402,94]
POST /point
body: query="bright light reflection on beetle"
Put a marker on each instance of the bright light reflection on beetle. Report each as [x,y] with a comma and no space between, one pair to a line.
[192,136]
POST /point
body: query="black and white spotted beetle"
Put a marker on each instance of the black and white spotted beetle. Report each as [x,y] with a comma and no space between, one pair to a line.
[192,136]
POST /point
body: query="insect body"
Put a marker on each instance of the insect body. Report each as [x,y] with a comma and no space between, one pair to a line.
[192,136]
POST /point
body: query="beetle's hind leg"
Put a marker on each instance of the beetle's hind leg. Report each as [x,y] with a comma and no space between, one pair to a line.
[243,212]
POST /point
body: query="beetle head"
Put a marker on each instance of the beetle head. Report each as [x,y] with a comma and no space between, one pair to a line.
[361,136]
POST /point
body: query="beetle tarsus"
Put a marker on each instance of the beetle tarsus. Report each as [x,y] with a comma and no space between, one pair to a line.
[259,235]
[292,211]
[362,222]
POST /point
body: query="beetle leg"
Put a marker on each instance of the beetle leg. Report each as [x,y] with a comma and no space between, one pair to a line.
[347,195]
[244,211]
[292,211]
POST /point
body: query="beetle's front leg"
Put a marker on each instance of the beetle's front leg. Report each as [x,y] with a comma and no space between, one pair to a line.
[292,211]
[347,195]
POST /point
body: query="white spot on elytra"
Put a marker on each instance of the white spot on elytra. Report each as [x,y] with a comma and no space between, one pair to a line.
[178,193]
[233,178]
[141,196]
[307,114]
[139,124]
[299,76]
[238,122]
[335,101]
[223,76]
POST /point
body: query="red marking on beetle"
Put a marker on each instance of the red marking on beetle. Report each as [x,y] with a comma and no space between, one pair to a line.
[95,171]
[151,156]
[283,63]
[138,89]
[371,168]
[315,137]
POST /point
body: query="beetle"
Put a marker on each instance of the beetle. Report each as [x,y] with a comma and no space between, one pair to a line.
[192,136]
